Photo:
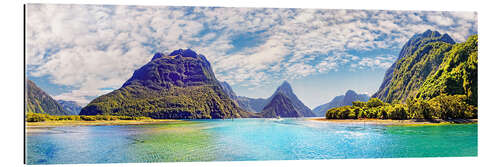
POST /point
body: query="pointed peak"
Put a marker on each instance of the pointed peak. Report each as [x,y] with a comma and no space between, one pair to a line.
[285,83]
[420,39]
[285,86]
[430,33]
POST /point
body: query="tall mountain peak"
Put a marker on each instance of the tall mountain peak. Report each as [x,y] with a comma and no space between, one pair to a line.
[285,87]
[430,33]
[428,58]
[181,68]
[180,85]
[350,93]
[280,105]
[184,53]
[419,40]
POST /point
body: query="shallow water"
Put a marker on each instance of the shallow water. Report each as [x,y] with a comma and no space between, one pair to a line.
[245,139]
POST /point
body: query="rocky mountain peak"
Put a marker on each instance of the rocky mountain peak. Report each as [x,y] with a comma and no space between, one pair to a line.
[285,88]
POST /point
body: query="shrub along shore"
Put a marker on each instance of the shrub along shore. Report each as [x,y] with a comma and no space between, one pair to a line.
[38,117]
[442,107]
[46,120]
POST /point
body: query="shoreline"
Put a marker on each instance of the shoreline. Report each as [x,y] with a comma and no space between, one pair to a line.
[390,122]
[98,123]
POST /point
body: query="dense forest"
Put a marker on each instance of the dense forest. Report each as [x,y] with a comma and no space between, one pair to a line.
[40,117]
[444,107]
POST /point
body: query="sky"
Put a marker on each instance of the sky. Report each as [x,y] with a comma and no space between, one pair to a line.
[79,52]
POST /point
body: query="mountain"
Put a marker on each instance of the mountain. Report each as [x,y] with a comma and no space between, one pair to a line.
[37,101]
[229,91]
[71,106]
[339,101]
[456,75]
[416,42]
[180,85]
[287,91]
[431,64]
[280,105]
[257,105]
[248,104]
[251,104]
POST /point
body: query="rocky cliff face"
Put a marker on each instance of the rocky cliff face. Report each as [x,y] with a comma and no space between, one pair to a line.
[180,85]
[37,101]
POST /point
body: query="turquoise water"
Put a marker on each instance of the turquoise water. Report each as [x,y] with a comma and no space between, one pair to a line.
[244,140]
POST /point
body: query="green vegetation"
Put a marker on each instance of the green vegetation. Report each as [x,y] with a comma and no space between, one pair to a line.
[39,117]
[457,74]
[436,81]
[195,102]
[433,69]
[444,107]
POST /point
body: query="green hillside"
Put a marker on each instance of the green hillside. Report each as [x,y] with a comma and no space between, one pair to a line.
[181,85]
[37,101]
[434,68]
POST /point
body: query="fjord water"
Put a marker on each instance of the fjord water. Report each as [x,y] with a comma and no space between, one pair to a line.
[245,139]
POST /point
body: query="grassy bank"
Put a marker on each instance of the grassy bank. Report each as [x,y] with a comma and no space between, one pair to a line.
[38,119]
[98,122]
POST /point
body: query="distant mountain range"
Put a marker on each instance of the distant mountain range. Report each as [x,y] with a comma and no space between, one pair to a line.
[339,101]
[287,97]
[431,64]
[37,101]
[180,85]
[71,106]
[251,104]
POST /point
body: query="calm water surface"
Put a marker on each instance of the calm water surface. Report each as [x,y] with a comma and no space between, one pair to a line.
[245,139]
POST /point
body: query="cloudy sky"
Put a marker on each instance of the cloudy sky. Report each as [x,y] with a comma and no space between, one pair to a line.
[78,52]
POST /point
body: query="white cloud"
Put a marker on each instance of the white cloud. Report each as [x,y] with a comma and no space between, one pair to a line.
[381,61]
[440,20]
[92,47]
